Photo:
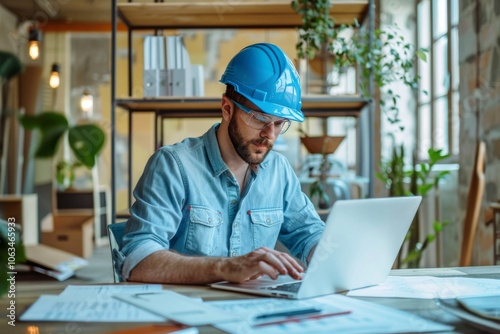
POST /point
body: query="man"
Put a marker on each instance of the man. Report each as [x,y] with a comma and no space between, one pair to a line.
[212,208]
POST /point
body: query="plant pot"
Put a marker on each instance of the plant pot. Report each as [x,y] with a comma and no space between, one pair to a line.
[322,144]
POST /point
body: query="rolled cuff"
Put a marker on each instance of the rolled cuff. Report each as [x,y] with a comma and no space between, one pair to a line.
[308,248]
[137,255]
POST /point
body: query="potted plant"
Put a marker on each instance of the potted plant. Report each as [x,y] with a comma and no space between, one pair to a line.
[317,188]
[385,60]
[66,173]
[416,179]
[323,145]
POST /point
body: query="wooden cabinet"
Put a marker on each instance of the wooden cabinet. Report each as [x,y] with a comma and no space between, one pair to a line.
[211,15]
[22,210]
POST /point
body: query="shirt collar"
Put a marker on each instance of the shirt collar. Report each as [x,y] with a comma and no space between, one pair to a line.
[213,151]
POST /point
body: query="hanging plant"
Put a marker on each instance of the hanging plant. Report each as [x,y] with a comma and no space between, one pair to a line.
[386,60]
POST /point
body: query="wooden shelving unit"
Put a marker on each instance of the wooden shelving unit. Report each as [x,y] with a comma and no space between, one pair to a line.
[170,107]
[217,15]
[229,14]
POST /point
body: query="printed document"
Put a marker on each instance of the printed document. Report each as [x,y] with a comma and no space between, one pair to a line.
[363,317]
[91,303]
[428,287]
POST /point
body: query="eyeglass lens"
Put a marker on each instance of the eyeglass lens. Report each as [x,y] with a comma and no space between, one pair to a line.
[258,121]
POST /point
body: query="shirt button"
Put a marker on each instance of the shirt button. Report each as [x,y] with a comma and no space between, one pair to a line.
[233,254]
[235,224]
[268,220]
[209,220]
[233,202]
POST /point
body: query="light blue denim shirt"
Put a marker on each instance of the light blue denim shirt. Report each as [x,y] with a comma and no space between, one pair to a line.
[188,201]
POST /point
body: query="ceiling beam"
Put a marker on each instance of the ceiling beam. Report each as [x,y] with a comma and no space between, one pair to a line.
[56,26]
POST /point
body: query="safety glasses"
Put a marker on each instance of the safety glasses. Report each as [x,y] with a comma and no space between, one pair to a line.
[259,121]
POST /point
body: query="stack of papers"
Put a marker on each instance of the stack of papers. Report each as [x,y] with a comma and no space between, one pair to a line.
[149,303]
[92,303]
[124,303]
[353,316]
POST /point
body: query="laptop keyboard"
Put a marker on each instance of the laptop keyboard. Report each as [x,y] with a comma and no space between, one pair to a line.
[288,287]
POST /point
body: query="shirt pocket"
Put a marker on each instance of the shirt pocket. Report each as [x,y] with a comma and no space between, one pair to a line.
[266,225]
[204,230]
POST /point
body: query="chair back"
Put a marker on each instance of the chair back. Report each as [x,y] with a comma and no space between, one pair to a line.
[474,201]
[115,233]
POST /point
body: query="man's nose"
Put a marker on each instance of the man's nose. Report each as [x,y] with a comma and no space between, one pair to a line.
[268,131]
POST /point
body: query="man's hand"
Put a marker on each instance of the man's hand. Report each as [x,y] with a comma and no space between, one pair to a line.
[262,261]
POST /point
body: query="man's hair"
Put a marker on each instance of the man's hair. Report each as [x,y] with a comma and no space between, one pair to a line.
[234,95]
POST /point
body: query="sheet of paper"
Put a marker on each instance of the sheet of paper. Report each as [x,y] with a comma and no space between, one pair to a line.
[95,309]
[179,308]
[428,287]
[91,303]
[365,317]
[428,272]
[111,289]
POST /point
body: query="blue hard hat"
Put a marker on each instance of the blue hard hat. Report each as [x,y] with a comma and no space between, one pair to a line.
[267,77]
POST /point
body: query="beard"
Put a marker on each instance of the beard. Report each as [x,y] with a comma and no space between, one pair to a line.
[242,146]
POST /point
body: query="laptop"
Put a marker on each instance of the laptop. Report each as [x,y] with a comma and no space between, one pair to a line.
[359,245]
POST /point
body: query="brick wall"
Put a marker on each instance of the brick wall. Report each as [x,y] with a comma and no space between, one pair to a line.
[479,55]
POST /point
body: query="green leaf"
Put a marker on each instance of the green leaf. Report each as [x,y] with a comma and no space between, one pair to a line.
[45,122]
[413,255]
[86,141]
[52,126]
[10,65]
[29,122]
[424,189]
[49,141]
[421,55]
[425,168]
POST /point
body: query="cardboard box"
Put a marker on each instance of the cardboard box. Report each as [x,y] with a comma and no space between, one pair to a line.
[69,232]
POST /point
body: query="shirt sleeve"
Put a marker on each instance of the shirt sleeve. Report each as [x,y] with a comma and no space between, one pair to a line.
[156,212]
[302,227]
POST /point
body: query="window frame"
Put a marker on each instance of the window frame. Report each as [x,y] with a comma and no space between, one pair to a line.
[452,114]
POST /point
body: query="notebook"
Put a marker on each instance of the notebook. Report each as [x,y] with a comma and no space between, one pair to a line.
[359,245]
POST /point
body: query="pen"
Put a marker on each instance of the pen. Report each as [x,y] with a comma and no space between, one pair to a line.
[291,313]
[310,317]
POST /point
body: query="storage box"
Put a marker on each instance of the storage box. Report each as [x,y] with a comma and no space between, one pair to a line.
[81,202]
[69,232]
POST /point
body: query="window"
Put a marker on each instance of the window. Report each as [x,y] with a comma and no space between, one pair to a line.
[438,122]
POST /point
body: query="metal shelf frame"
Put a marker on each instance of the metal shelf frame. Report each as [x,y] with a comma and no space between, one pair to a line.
[147,16]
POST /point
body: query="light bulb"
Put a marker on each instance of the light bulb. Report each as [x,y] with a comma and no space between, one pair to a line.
[54,76]
[35,37]
[87,104]
[34,50]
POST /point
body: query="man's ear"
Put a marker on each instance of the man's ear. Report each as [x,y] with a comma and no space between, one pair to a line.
[227,107]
